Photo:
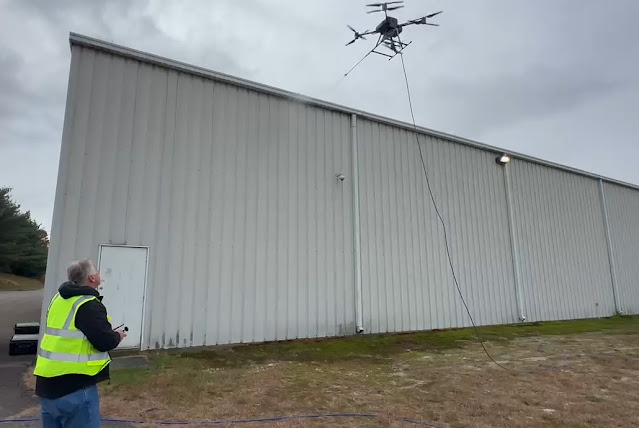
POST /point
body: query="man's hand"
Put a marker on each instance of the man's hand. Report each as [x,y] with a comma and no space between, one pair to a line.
[121,332]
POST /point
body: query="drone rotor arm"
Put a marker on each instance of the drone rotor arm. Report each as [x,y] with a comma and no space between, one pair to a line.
[411,22]
[422,20]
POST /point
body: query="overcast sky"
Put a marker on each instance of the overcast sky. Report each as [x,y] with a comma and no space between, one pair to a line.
[554,79]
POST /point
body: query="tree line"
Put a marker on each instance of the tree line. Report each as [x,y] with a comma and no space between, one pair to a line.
[24,245]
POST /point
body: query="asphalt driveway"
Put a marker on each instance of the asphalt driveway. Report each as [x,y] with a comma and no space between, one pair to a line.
[15,306]
[19,306]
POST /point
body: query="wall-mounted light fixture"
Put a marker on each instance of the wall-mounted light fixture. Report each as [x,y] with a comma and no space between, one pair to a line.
[503,159]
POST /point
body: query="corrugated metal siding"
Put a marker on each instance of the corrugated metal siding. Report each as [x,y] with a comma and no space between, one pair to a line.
[251,236]
[623,220]
[564,261]
[58,258]
[407,283]
[234,191]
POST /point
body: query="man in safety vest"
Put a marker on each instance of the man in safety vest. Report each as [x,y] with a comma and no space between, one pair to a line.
[73,353]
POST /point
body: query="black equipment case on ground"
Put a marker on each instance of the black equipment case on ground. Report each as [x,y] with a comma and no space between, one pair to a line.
[27,328]
[23,344]
[25,339]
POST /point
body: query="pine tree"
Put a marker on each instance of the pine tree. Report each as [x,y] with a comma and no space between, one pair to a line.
[24,244]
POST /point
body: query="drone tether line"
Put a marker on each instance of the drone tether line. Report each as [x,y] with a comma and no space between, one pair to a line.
[441,220]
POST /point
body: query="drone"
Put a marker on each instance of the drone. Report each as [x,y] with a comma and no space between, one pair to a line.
[389,30]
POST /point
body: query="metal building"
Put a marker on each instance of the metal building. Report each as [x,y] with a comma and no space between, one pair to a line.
[223,211]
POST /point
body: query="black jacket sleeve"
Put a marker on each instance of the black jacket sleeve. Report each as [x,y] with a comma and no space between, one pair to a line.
[91,319]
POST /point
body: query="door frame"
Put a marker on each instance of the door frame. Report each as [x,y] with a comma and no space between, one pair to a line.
[146,276]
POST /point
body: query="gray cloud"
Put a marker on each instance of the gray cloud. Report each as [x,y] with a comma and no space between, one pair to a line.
[11,92]
[495,101]
[558,80]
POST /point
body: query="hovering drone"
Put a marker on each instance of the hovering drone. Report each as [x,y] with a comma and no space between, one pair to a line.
[389,30]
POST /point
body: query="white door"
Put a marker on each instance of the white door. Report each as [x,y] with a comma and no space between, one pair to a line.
[123,273]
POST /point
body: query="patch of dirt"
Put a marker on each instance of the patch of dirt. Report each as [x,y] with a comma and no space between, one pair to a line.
[589,380]
[9,282]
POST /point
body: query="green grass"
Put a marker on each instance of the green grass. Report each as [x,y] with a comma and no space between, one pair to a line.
[369,348]
[357,374]
[381,347]
[129,376]
[552,422]
[9,282]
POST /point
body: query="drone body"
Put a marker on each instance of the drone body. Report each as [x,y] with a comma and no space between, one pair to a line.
[389,25]
[389,29]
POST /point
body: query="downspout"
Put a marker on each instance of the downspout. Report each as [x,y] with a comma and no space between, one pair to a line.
[357,268]
[513,243]
[611,258]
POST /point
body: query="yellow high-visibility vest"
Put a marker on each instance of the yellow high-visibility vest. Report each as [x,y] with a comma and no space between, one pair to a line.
[64,349]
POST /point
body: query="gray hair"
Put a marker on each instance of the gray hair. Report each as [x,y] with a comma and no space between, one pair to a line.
[79,271]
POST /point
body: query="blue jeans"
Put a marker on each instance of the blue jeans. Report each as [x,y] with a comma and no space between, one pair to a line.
[79,409]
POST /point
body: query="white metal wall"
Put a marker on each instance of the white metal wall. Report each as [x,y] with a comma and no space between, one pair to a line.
[234,191]
[407,284]
[564,261]
[622,204]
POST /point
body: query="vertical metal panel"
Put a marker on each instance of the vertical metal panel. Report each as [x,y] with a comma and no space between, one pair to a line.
[56,265]
[160,267]
[514,241]
[623,219]
[234,192]
[564,262]
[611,257]
[406,279]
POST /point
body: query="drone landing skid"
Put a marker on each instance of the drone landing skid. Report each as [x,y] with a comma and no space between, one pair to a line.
[398,45]
[399,48]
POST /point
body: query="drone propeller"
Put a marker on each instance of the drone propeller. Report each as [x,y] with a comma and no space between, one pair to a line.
[384,10]
[384,4]
[357,35]
[422,20]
